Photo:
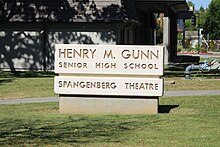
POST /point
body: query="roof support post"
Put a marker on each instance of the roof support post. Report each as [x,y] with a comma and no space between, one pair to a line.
[173,36]
[166,39]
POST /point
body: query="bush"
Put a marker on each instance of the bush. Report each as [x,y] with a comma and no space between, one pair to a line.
[212,45]
[203,50]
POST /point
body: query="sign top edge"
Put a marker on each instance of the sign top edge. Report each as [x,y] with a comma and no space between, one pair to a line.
[109,45]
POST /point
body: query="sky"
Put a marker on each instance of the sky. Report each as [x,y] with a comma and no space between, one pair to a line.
[198,3]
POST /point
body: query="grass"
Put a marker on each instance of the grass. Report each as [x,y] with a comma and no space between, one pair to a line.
[183,121]
[191,121]
[14,85]
[195,84]
[26,87]
[175,79]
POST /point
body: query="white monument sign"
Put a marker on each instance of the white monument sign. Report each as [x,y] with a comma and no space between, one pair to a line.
[109,59]
[108,86]
[123,70]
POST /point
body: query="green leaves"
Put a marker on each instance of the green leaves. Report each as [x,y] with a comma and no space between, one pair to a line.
[212,20]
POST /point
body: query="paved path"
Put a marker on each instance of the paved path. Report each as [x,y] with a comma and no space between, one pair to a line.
[30,100]
[192,93]
[166,93]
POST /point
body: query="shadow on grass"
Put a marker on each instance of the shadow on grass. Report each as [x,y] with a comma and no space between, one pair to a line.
[3,81]
[166,108]
[175,70]
[179,71]
[25,74]
[72,131]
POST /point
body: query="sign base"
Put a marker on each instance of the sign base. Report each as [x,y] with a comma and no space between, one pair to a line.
[103,105]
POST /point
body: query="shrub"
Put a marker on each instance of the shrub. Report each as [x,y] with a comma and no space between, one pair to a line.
[203,50]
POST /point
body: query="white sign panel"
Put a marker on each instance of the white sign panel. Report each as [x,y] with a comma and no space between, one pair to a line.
[116,86]
[109,59]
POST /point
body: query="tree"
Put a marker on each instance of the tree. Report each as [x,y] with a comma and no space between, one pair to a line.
[212,20]
[202,13]
[190,3]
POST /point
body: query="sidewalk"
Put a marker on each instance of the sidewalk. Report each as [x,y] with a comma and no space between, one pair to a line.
[192,92]
[166,93]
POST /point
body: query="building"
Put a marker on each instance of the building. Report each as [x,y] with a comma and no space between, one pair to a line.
[29,29]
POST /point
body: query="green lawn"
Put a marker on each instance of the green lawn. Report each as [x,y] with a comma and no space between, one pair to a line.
[13,88]
[195,84]
[192,121]
[26,85]
[183,121]
[36,84]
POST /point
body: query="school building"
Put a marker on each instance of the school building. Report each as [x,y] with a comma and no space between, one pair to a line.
[29,29]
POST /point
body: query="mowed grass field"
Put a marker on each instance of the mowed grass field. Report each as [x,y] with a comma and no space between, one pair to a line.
[35,84]
[182,121]
[26,85]
[188,121]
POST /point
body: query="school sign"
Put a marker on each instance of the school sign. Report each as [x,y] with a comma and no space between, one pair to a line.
[109,70]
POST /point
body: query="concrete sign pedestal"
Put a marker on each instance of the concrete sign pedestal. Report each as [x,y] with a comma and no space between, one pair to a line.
[103,105]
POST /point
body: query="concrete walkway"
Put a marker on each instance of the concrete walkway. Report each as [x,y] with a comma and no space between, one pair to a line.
[166,93]
[192,93]
[29,100]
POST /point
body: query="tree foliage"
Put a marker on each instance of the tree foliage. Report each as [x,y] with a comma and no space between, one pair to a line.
[212,20]
[202,13]
[190,3]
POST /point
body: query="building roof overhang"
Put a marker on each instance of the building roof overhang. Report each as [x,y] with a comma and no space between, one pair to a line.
[185,15]
[178,6]
[92,11]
